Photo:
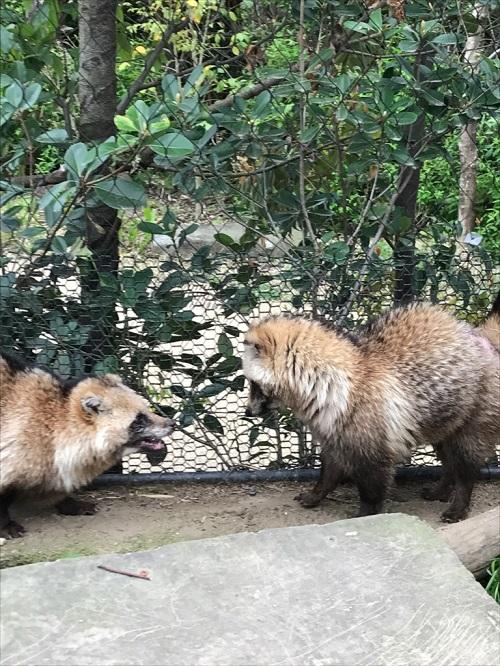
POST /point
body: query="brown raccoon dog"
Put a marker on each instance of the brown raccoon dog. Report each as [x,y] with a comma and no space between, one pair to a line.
[415,375]
[57,436]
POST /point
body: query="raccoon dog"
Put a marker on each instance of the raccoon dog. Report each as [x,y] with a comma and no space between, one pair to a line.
[415,375]
[57,436]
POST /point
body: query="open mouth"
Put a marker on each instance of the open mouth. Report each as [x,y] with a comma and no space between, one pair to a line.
[149,444]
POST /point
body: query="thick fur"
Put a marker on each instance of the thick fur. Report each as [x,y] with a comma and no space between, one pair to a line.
[491,327]
[57,436]
[416,375]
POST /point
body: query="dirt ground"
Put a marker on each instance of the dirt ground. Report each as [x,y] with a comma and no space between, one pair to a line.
[131,519]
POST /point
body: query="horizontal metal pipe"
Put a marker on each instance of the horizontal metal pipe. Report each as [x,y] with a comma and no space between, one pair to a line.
[250,476]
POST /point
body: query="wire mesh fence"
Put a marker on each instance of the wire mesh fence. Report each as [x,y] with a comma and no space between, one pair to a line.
[171,173]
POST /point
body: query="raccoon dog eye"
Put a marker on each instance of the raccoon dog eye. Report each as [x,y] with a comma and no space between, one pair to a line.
[92,404]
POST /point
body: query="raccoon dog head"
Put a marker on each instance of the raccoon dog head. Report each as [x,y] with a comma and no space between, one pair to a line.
[121,419]
[259,404]
[261,397]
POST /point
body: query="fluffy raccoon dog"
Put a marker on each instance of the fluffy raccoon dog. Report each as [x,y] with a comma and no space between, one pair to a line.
[415,375]
[57,436]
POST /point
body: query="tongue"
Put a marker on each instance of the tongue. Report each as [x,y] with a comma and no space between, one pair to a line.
[152,445]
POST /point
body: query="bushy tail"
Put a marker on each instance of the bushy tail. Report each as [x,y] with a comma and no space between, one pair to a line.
[491,327]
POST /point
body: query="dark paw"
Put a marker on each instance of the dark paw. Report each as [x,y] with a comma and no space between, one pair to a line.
[369,509]
[72,507]
[453,516]
[307,500]
[432,494]
[12,530]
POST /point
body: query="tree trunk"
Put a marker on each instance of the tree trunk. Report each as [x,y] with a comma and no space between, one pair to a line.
[406,205]
[97,96]
[467,149]
[97,79]
[467,146]
[476,540]
[406,202]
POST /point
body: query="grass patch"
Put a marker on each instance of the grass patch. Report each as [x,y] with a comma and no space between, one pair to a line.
[15,559]
[138,542]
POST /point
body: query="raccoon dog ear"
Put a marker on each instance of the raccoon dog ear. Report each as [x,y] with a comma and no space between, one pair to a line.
[91,404]
[111,380]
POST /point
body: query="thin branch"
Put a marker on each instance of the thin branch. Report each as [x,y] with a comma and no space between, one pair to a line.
[63,105]
[378,235]
[31,150]
[154,83]
[152,57]
[248,93]
[308,230]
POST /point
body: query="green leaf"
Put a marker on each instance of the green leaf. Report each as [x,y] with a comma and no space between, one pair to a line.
[174,146]
[226,240]
[170,86]
[342,112]
[406,117]
[403,157]
[213,424]
[375,19]
[33,232]
[309,133]
[400,224]
[408,45]
[125,124]
[11,102]
[224,346]
[433,97]
[343,82]
[58,245]
[210,390]
[261,107]
[160,125]
[139,113]
[447,39]
[11,191]
[6,40]
[31,93]
[54,200]
[8,223]
[209,134]
[324,56]
[195,78]
[58,135]
[228,366]
[339,251]
[358,26]
[120,192]
[76,159]
[150,227]
[232,330]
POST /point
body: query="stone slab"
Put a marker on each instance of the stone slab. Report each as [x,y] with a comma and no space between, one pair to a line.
[382,590]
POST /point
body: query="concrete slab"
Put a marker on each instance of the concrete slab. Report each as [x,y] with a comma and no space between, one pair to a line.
[384,590]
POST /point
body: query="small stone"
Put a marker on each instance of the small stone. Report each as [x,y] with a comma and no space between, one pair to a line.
[252,491]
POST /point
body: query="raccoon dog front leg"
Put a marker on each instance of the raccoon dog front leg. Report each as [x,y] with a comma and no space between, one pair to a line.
[330,476]
[9,529]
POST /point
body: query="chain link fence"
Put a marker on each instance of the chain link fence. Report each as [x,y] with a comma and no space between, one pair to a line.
[170,174]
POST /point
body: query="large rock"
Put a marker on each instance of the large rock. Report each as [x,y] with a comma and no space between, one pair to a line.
[373,591]
[204,235]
